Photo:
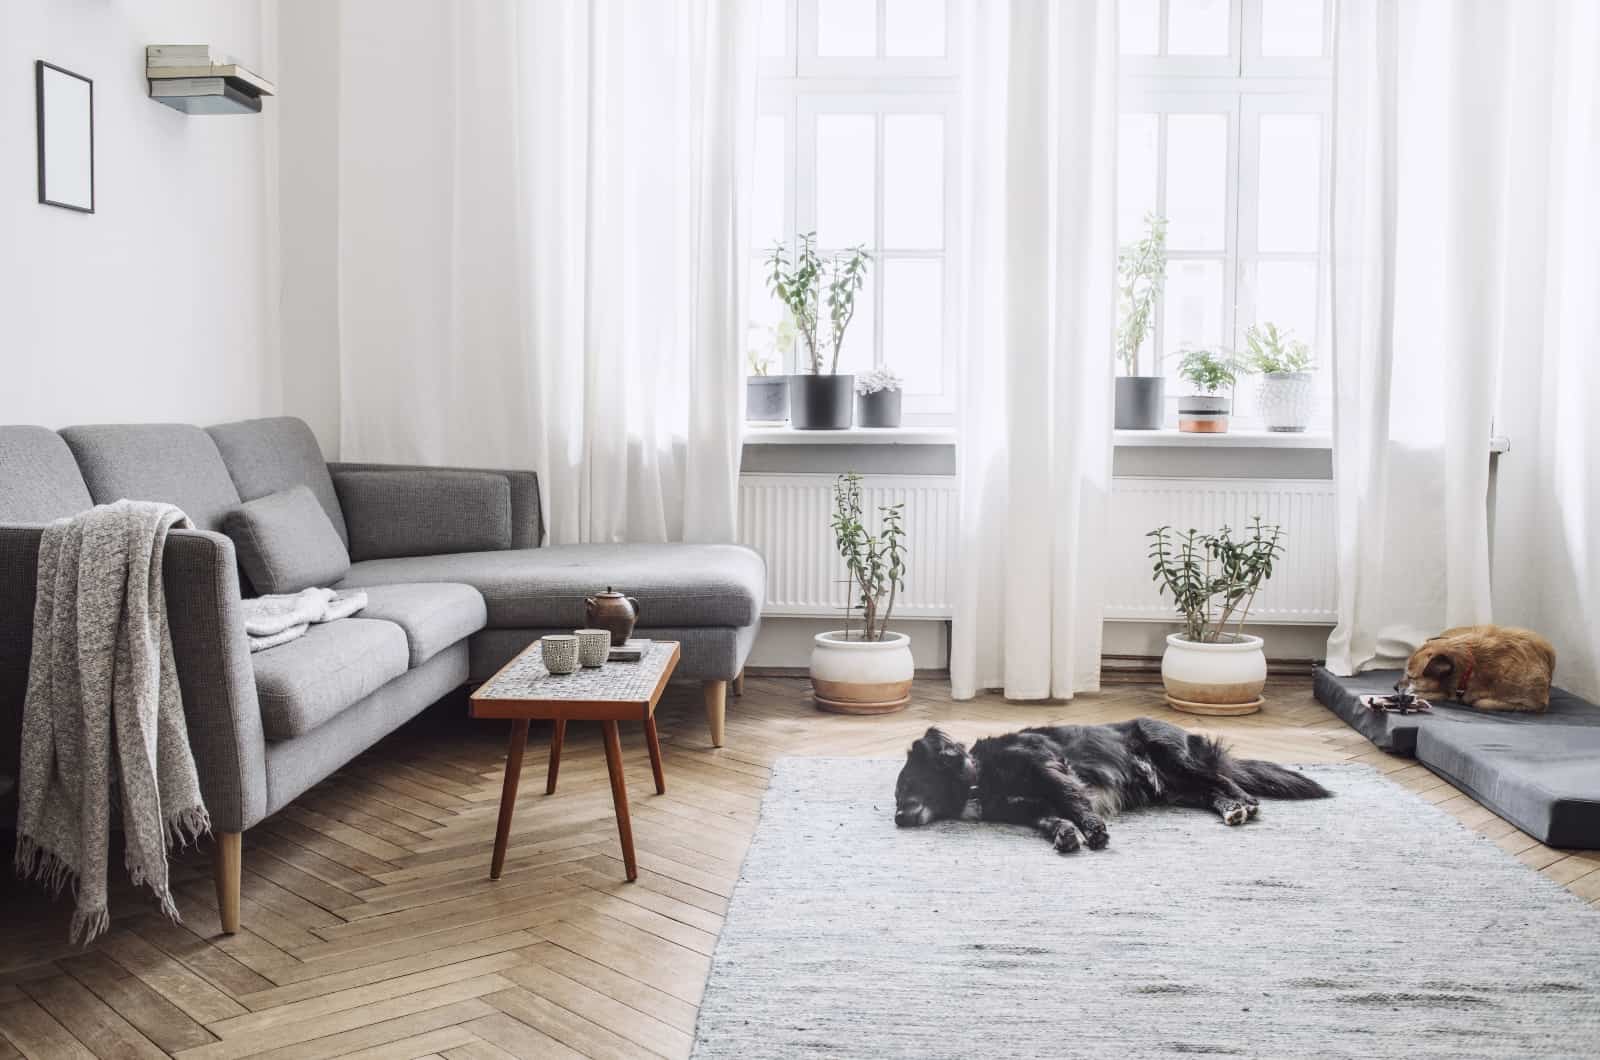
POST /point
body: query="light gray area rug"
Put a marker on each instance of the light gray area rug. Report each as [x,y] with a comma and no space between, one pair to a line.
[1371,924]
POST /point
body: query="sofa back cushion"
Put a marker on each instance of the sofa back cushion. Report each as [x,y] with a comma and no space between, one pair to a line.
[39,480]
[270,455]
[170,462]
[408,512]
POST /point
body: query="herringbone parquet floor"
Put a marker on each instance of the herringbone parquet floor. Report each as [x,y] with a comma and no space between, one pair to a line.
[371,928]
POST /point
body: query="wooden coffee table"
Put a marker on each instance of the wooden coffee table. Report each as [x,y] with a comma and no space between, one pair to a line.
[524,690]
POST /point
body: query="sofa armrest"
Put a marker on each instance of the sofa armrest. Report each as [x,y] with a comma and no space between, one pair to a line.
[527,516]
[218,682]
[19,564]
[213,657]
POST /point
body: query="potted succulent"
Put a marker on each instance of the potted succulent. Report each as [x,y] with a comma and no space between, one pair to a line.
[878,399]
[1141,273]
[1287,396]
[821,298]
[1211,375]
[766,394]
[1213,666]
[868,669]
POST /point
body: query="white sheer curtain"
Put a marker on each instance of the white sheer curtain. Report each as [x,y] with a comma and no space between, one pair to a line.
[1547,568]
[1038,297]
[542,245]
[1423,137]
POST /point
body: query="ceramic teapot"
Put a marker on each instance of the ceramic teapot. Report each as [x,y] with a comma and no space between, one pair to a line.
[614,611]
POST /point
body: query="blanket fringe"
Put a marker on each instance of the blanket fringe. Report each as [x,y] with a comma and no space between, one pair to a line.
[88,925]
[187,826]
[34,862]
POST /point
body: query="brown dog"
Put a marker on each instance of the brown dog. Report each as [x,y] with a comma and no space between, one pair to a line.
[1487,667]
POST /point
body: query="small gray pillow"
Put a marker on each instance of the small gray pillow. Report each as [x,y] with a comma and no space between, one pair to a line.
[286,542]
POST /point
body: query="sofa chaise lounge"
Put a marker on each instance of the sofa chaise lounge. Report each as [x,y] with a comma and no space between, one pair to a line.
[450,558]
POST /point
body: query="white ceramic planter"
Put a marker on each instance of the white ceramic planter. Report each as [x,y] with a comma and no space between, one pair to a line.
[1286,400]
[1222,678]
[861,676]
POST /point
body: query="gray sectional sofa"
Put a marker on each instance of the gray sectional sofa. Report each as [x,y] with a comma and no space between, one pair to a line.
[451,560]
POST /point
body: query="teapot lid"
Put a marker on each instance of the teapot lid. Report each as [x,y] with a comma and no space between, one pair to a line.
[609,592]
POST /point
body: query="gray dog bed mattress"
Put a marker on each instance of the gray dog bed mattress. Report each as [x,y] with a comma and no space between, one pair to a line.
[1541,772]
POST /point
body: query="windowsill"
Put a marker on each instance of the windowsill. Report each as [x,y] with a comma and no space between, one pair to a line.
[1234,439]
[755,434]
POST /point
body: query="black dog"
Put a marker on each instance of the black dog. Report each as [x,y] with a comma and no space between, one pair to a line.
[1065,780]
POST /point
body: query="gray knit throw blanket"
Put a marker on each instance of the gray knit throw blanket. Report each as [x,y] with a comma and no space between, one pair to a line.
[103,726]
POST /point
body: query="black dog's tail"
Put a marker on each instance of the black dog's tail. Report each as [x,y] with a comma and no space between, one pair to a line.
[1274,781]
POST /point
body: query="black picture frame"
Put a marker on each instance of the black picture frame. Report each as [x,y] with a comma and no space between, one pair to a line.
[39,68]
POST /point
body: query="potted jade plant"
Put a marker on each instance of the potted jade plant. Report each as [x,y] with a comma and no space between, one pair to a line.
[878,399]
[1213,666]
[865,668]
[1211,375]
[1141,273]
[1287,395]
[821,297]
[767,394]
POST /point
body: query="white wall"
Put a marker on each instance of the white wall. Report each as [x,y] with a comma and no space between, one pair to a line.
[162,304]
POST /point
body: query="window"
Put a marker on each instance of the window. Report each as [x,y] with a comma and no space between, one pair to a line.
[1225,131]
[856,141]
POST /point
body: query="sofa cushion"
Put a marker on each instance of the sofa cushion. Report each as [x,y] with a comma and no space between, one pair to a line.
[305,682]
[433,615]
[268,455]
[285,542]
[170,462]
[1542,778]
[545,588]
[416,512]
[39,480]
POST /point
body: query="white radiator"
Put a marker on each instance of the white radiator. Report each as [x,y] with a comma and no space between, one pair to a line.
[1302,587]
[787,518]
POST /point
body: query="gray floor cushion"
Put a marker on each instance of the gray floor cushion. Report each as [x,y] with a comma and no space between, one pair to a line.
[1541,772]
[307,681]
[544,588]
[1545,779]
[1398,732]
[434,615]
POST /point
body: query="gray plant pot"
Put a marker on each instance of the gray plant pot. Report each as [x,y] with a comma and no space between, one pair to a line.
[880,409]
[766,398]
[1141,402]
[1204,413]
[821,402]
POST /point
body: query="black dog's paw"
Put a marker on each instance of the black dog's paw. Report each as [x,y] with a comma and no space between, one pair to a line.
[1095,834]
[1066,839]
[1251,808]
[1233,813]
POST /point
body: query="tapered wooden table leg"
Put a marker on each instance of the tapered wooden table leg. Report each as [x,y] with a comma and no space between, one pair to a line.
[508,794]
[556,740]
[619,796]
[654,742]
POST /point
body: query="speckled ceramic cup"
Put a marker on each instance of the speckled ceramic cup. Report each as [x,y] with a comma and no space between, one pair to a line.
[594,646]
[559,652]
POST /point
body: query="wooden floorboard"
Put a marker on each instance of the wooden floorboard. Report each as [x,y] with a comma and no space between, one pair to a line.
[372,929]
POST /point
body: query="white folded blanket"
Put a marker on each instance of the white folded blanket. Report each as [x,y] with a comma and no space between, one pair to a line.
[273,620]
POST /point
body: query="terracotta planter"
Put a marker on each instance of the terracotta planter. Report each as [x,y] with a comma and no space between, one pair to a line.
[861,676]
[1221,678]
[1204,413]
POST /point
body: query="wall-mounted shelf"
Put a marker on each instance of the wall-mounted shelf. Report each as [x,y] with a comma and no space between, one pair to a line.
[190,78]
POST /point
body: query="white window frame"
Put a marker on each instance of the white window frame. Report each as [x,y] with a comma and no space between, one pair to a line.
[799,86]
[1242,86]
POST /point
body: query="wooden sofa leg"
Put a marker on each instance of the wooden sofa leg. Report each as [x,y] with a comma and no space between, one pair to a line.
[716,694]
[226,867]
[738,684]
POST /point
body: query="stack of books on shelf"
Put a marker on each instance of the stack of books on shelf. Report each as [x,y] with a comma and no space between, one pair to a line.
[191,78]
